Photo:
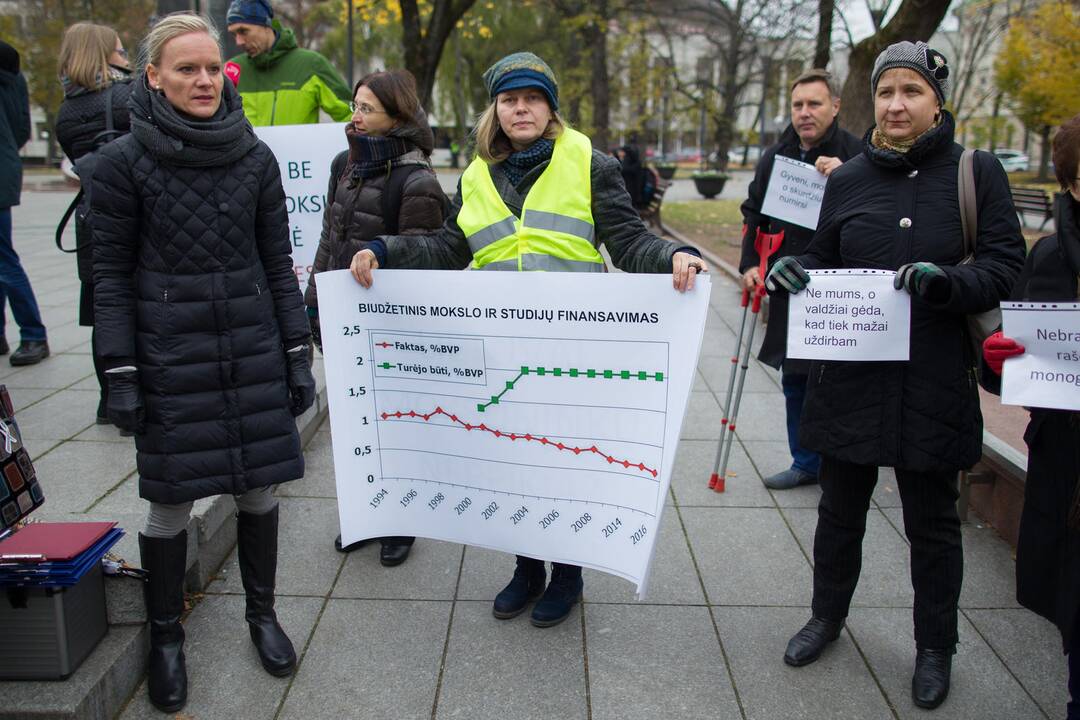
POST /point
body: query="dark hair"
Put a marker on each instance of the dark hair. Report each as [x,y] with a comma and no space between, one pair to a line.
[816,75]
[396,90]
[1067,152]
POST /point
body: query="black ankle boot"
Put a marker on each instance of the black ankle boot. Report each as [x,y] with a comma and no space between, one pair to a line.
[560,596]
[524,587]
[807,645]
[395,549]
[256,548]
[933,671]
[166,677]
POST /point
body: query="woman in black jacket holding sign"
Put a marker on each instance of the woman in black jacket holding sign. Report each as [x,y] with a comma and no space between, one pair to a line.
[202,330]
[1048,551]
[896,207]
[386,169]
[93,66]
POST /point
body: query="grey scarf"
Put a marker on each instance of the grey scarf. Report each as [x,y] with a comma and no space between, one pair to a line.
[172,136]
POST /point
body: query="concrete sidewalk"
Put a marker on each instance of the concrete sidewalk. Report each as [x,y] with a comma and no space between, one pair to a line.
[731,582]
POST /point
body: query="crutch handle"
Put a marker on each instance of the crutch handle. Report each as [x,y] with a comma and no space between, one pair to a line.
[745,298]
[759,293]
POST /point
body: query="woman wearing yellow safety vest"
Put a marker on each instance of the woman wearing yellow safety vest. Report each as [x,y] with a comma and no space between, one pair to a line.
[536,197]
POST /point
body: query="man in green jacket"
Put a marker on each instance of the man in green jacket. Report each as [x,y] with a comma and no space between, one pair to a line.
[280,83]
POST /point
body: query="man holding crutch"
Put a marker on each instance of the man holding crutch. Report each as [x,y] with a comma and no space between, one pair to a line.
[816,138]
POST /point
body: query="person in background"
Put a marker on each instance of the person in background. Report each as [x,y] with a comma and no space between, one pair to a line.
[389,153]
[1048,551]
[202,330]
[93,62]
[531,164]
[633,170]
[280,83]
[14,284]
[816,138]
[897,207]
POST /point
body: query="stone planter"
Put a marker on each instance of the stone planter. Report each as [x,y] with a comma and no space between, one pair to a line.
[710,185]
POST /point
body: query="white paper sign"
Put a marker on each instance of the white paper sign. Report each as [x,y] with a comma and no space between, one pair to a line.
[849,314]
[794,193]
[1047,375]
[304,154]
[534,413]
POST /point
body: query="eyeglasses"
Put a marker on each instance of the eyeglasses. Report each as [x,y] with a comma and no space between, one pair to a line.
[365,109]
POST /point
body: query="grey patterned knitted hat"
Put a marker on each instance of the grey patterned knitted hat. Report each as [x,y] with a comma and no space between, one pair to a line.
[917,56]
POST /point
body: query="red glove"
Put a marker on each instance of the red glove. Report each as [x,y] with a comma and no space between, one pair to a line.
[997,348]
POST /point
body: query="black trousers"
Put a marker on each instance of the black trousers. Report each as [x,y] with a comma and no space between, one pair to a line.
[932,527]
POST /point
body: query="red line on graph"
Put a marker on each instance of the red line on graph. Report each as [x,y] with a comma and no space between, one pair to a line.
[426,417]
[384,345]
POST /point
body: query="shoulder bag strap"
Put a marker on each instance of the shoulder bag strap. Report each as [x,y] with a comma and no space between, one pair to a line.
[969,213]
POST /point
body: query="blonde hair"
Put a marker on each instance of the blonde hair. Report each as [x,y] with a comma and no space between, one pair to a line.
[84,54]
[492,144]
[173,26]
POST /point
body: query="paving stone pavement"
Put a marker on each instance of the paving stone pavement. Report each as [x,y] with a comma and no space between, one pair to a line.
[731,582]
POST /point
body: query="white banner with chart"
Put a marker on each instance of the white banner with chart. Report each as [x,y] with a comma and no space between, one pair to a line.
[304,154]
[794,193]
[534,413]
[1047,375]
[850,314]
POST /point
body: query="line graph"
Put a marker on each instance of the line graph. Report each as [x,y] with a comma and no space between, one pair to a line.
[536,433]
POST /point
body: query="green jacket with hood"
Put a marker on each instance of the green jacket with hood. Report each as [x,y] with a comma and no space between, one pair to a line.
[286,85]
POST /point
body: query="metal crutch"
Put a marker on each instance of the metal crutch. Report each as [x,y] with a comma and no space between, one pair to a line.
[766,244]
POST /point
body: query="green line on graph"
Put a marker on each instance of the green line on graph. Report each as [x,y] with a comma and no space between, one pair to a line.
[574,373]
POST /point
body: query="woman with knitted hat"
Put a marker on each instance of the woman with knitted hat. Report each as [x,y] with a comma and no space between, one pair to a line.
[536,197]
[896,207]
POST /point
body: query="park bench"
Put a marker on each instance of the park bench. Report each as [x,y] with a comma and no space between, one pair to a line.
[1032,200]
[651,212]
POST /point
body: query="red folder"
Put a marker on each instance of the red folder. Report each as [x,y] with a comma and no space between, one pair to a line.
[52,542]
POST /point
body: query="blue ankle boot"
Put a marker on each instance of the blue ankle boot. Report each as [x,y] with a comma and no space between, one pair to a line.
[560,596]
[526,586]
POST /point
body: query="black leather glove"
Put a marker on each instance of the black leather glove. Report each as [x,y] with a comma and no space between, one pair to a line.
[316,330]
[301,381]
[125,404]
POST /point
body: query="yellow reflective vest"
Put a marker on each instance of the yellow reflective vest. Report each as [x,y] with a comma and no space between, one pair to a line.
[555,231]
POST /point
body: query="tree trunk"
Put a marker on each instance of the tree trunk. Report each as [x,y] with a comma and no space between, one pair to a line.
[595,35]
[824,33]
[1044,156]
[423,48]
[994,122]
[914,20]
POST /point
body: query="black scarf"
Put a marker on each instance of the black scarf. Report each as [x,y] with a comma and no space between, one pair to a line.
[933,141]
[179,139]
[518,165]
[371,155]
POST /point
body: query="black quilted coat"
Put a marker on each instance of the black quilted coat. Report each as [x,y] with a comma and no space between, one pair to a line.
[194,286]
[883,209]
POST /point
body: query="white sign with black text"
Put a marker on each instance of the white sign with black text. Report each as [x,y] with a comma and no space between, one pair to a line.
[304,154]
[849,314]
[1047,375]
[794,193]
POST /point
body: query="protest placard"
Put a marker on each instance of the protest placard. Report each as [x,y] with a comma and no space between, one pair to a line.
[1047,375]
[794,193]
[304,154]
[849,314]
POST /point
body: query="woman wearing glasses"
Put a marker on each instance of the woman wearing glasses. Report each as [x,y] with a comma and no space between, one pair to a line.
[96,75]
[382,184]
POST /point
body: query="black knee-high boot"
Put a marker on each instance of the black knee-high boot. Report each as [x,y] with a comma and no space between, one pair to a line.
[164,559]
[257,544]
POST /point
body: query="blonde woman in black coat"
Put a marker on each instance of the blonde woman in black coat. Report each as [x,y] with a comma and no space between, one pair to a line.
[93,66]
[201,328]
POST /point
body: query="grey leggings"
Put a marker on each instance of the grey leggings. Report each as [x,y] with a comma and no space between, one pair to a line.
[165,521]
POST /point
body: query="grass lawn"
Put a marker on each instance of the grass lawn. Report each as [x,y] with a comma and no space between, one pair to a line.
[713,224]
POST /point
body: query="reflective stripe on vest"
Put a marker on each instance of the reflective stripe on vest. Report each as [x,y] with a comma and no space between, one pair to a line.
[556,231]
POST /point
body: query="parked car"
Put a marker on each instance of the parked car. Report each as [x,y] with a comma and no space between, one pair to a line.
[1013,160]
